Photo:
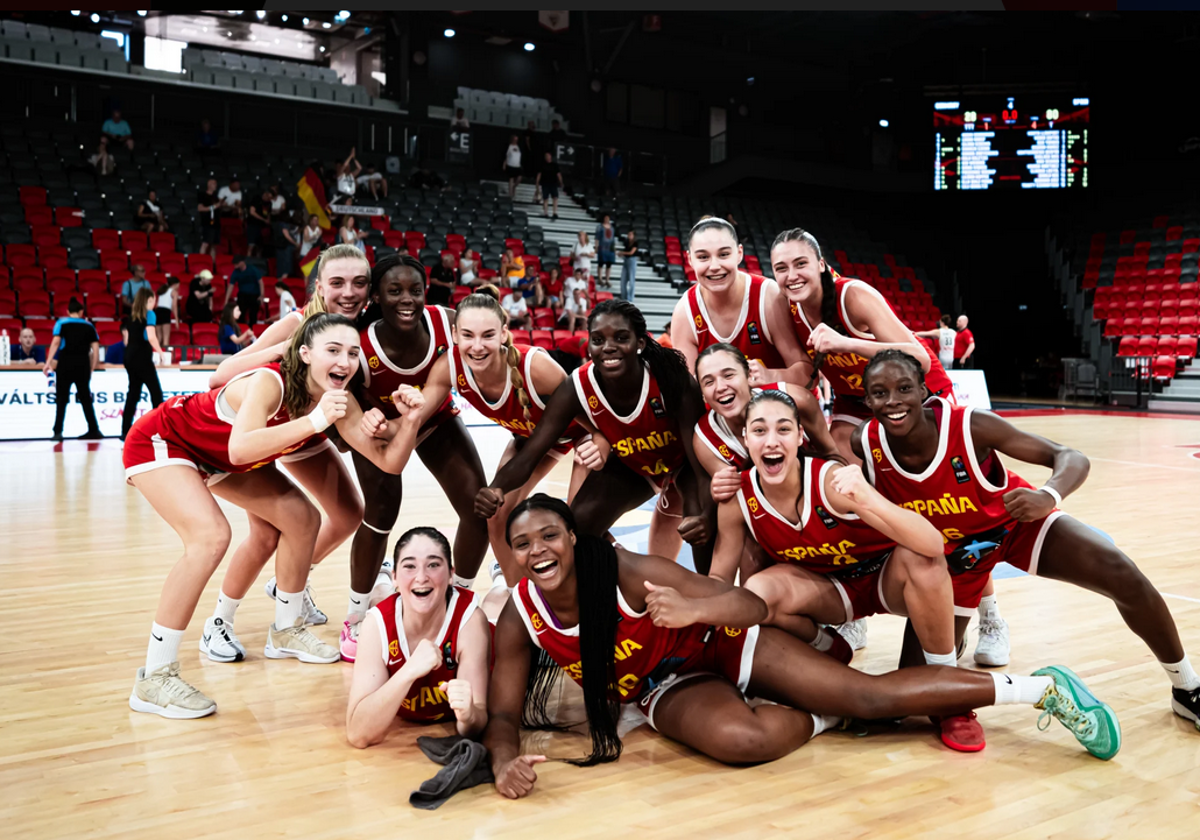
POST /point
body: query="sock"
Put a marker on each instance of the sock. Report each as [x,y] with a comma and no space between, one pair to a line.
[1012,690]
[289,606]
[988,608]
[824,640]
[823,722]
[465,582]
[226,608]
[1181,673]
[164,646]
[360,602]
[948,659]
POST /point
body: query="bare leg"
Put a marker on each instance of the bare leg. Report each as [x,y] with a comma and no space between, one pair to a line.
[326,477]
[798,599]
[450,455]
[921,587]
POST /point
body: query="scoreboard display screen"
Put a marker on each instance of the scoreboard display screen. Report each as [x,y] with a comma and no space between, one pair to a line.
[1011,142]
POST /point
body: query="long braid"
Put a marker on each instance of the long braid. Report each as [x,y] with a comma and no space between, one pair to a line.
[668,366]
[512,356]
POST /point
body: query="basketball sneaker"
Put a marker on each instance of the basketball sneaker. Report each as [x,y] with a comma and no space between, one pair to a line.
[300,644]
[348,643]
[963,733]
[855,632]
[992,649]
[1186,704]
[163,692]
[312,613]
[220,643]
[1072,703]
[384,584]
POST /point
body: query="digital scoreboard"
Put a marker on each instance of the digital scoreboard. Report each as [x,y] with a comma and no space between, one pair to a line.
[1011,142]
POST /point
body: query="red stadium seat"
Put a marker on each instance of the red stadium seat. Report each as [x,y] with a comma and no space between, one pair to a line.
[1146,345]
[198,262]
[101,306]
[394,239]
[1166,345]
[34,304]
[8,307]
[39,215]
[1161,221]
[1164,368]
[113,261]
[109,332]
[180,335]
[543,317]
[68,217]
[42,235]
[13,327]
[105,239]
[163,243]
[52,256]
[1127,347]
[1148,325]
[542,338]
[146,259]
[383,222]
[20,256]
[1189,325]
[205,333]
[43,329]
[173,264]
[1168,325]
[92,280]
[133,240]
[1186,347]
[32,195]
[59,286]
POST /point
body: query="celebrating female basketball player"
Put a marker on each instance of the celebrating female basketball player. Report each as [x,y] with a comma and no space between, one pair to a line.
[943,462]
[224,443]
[422,652]
[687,649]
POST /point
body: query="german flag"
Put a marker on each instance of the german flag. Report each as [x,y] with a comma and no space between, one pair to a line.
[312,191]
[310,261]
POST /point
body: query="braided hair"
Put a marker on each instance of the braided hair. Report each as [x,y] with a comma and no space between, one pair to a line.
[900,358]
[829,303]
[488,298]
[382,266]
[667,365]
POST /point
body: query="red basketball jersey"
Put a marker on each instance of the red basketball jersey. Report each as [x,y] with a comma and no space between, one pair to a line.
[382,377]
[716,436]
[200,424]
[425,701]
[646,440]
[823,541]
[751,335]
[961,497]
[845,370]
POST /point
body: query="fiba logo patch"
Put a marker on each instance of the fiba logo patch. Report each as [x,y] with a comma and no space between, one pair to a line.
[441,348]
[373,362]
[752,331]
[393,648]
[827,520]
[960,470]
[448,656]
[657,407]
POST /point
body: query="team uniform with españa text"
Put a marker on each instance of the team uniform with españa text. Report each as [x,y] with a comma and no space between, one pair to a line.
[649,660]
[715,433]
[964,499]
[381,377]
[751,336]
[841,546]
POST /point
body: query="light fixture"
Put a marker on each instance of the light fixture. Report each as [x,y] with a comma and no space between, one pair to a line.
[75,12]
[283,18]
[529,46]
[449,33]
[260,14]
[749,80]
[305,21]
[95,18]
[322,49]
[326,25]
[343,14]
[141,13]
[230,34]
[883,123]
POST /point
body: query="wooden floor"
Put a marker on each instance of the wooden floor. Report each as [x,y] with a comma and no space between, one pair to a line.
[84,558]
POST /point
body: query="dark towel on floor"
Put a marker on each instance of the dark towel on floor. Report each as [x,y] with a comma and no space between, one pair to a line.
[466,765]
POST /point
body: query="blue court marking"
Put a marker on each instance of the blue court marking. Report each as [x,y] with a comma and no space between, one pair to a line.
[1003,570]
[637,538]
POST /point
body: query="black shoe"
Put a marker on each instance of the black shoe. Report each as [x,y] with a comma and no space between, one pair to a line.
[56,437]
[94,434]
[1186,704]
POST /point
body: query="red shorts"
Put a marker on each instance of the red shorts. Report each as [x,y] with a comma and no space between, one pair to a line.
[863,595]
[148,447]
[1021,548]
[728,652]
[315,445]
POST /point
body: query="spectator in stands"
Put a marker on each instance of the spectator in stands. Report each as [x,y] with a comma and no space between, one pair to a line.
[349,234]
[232,337]
[150,215]
[117,130]
[231,200]
[606,250]
[556,136]
[166,311]
[512,269]
[468,265]
[516,308]
[27,352]
[279,201]
[310,237]
[74,353]
[207,141]
[140,360]
[613,165]
[287,243]
[459,120]
[512,165]
[345,174]
[199,307]
[964,345]
[535,292]
[209,204]
[442,280]
[629,266]
[287,301]
[258,225]
[576,305]
[531,154]
[549,181]
[134,284]
[423,178]
[248,281]
[553,285]
[581,255]
[102,161]
[115,353]
[373,182]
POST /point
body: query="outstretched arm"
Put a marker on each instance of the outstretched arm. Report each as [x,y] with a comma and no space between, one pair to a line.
[273,343]
[252,440]
[799,368]
[869,312]
[848,492]
[676,597]
[683,338]
[514,772]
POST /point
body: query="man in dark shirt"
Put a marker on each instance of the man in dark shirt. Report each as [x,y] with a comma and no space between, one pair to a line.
[247,280]
[208,209]
[549,180]
[26,351]
[442,280]
[531,155]
[555,137]
[73,354]
[258,226]
[207,142]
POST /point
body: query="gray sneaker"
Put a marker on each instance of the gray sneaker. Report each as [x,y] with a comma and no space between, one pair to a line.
[296,642]
[163,692]
[312,613]
[855,632]
[220,643]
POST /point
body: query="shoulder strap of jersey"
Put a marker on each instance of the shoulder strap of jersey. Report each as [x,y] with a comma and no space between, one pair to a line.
[464,606]
[869,438]
[441,328]
[527,610]
[696,317]
[747,500]
[385,616]
[757,313]
[583,388]
[458,380]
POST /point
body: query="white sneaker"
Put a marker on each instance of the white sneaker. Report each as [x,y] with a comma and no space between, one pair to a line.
[312,613]
[992,649]
[855,632]
[163,692]
[298,643]
[219,641]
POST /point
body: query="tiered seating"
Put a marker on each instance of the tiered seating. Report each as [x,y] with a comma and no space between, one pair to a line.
[62,47]
[506,110]
[269,75]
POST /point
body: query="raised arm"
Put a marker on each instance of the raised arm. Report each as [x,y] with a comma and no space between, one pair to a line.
[677,597]
[272,345]
[869,312]
[683,338]
[731,539]
[252,440]
[514,772]
[847,490]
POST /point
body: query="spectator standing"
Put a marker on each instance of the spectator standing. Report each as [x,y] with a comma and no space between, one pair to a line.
[345,180]
[199,308]
[140,358]
[516,308]
[117,130]
[946,338]
[576,305]
[73,355]
[964,345]
[248,281]
[348,233]
[512,165]
[27,352]
[629,266]
[231,200]
[310,237]
[258,225]
[531,154]
[606,250]
[209,204]
[279,202]
[207,141]
[442,280]
[150,215]
[115,353]
[554,138]
[373,182]
[134,284]
[459,120]
[468,264]
[581,255]
[232,337]
[549,181]
[287,301]
[613,165]
[166,311]
[103,162]
[287,243]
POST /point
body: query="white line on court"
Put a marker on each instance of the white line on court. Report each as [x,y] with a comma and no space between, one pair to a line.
[1180,597]
[1195,469]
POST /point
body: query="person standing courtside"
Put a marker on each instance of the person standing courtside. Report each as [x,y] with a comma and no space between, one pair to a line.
[964,345]
[78,348]
[139,358]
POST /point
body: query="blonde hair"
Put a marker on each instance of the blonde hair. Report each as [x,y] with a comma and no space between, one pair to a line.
[487,297]
[316,302]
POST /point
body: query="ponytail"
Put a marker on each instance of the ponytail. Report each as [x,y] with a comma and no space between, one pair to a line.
[667,365]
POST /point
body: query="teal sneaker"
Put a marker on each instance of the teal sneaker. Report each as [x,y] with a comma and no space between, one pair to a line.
[1091,721]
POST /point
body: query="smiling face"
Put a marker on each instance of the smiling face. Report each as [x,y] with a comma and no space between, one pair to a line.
[773,440]
[724,383]
[797,269]
[423,575]
[480,336]
[401,296]
[613,346]
[344,285]
[332,359]
[715,256]
[895,396]
[543,548]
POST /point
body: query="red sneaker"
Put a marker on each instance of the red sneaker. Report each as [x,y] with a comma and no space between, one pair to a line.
[961,732]
[840,650]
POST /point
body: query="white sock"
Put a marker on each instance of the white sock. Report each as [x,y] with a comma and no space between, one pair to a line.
[289,606]
[823,722]
[226,608]
[360,602]
[949,659]
[988,608]
[1181,673]
[824,640]
[1025,691]
[163,648]
[465,582]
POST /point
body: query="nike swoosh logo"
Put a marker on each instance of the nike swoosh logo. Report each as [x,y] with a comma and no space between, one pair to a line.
[354,600]
[157,638]
[206,638]
[284,601]
[1007,677]
[1170,670]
